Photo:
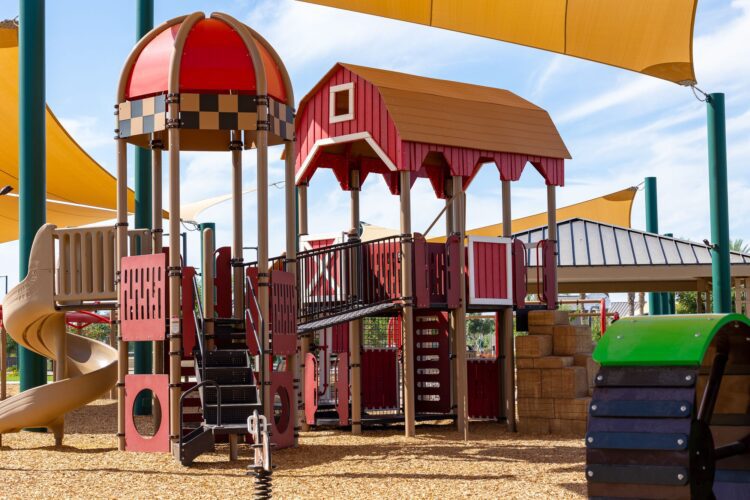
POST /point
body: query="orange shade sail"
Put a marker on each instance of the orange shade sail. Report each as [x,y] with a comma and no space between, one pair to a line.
[653,37]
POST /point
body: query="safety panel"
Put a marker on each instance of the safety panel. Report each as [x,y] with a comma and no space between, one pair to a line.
[421,273]
[159,386]
[189,331]
[143,297]
[283,313]
[453,272]
[342,389]
[490,271]
[482,380]
[519,274]
[379,378]
[432,363]
[282,391]
[223,282]
[340,338]
[549,260]
[311,388]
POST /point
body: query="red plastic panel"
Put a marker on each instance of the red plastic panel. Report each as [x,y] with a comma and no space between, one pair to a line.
[381,274]
[159,385]
[394,332]
[143,300]
[421,273]
[453,272]
[189,332]
[282,392]
[519,273]
[342,388]
[482,380]
[311,387]
[379,378]
[549,259]
[490,270]
[223,282]
[283,313]
[340,338]
[431,363]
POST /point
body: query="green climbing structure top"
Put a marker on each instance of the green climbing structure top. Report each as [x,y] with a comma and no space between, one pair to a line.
[680,340]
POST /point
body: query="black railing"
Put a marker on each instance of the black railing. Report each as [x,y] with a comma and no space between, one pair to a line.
[200,324]
[257,332]
[348,276]
[193,389]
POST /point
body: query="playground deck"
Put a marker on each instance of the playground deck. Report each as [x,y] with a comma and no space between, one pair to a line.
[494,464]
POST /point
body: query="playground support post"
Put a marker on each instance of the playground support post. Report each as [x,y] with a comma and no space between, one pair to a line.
[207,268]
[459,224]
[143,351]
[32,157]
[408,313]
[304,345]
[290,213]
[449,230]
[122,244]
[719,201]
[238,280]
[652,226]
[355,327]
[157,232]
[507,371]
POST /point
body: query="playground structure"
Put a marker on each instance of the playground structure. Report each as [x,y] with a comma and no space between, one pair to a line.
[360,121]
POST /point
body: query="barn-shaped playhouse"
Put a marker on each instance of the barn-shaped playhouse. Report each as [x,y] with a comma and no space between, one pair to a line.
[360,122]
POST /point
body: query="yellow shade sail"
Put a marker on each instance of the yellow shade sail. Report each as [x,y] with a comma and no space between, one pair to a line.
[72,175]
[653,37]
[614,209]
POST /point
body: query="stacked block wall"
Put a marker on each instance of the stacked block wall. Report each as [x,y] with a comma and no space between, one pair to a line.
[555,375]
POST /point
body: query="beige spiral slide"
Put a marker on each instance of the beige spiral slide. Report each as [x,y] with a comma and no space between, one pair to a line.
[32,318]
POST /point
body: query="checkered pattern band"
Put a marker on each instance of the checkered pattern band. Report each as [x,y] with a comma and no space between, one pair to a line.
[204,112]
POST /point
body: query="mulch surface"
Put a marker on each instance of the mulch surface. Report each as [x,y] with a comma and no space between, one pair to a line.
[327,464]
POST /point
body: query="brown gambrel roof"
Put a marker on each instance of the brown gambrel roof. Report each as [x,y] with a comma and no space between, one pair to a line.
[458,114]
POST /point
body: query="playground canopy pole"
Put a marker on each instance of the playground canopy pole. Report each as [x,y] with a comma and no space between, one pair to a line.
[142,351]
[719,202]
[31,155]
[652,226]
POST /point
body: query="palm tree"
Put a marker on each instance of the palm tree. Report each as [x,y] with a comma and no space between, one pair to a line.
[740,246]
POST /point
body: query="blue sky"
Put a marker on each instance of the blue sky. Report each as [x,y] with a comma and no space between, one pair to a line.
[619,126]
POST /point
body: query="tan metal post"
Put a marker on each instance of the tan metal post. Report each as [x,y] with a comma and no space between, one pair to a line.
[60,369]
[238,280]
[207,267]
[552,227]
[407,263]
[355,327]
[449,230]
[156,248]
[509,365]
[3,363]
[459,224]
[122,245]
[263,275]
[304,344]
[291,266]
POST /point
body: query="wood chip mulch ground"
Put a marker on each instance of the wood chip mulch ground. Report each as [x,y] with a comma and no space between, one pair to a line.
[327,464]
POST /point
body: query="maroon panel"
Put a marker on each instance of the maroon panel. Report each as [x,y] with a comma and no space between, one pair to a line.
[490,273]
[379,378]
[283,325]
[311,387]
[342,388]
[381,273]
[394,332]
[519,273]
[340,338]
[421,270]
[143,300]
[282,426]
[223,282]
[252,325]
[453,272]
[432,363]
[189,332]
[482,380]
[159,385]
[549,259]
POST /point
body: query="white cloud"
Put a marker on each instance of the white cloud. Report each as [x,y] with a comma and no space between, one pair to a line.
[87,132]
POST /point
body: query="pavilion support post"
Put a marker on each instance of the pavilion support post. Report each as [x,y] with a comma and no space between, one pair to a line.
[408,312]
[449,230]
[238,280]
[207,267]
[355,327]
[652,226]
[304,343]
[263,275]
[122,251]
[552,232]
[719,202]
[175,279]
[291,267]
[31,159]
[508,371]
[459,225]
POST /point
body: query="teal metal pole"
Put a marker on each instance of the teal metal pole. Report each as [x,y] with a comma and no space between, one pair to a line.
[32,155]
[719,200]
[652,226]
[142,357]
[669,303]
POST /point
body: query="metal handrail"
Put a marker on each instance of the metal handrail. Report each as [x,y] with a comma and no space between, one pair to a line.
[261,349]
[193,389]
[200,328]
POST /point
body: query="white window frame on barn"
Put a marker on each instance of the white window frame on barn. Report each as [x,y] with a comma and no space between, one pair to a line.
[332,116]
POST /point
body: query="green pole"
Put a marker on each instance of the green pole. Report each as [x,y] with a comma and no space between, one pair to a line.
[719,199]
[669,298]
[142,357]
[652,226]
[32,155]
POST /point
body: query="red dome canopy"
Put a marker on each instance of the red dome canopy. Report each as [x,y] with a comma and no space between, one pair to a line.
[214,61]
